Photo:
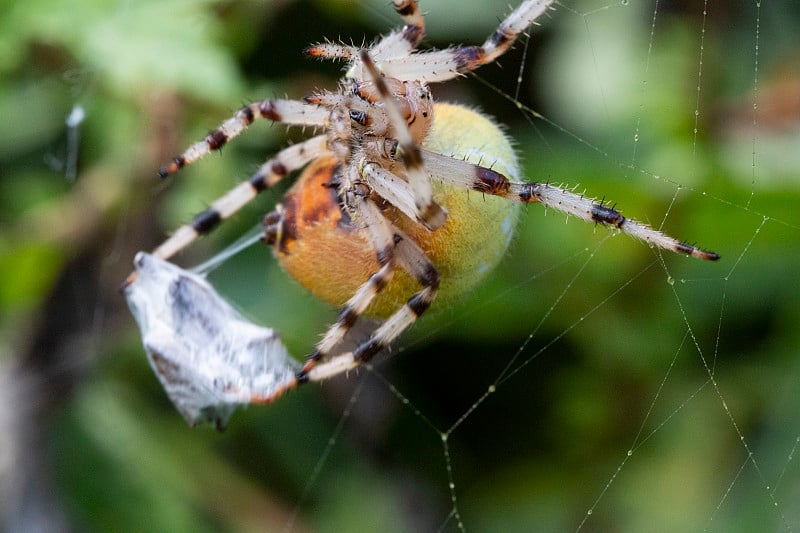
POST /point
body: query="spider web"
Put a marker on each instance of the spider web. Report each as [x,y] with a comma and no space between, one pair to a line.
[705,455]
[591,383]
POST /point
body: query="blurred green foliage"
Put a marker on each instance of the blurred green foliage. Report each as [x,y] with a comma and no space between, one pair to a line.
[604,345]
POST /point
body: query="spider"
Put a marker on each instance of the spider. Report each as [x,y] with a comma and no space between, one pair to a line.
[380,222]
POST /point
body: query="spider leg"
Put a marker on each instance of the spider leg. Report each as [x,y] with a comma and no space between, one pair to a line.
[470,176]
[382,238]
[398,43]
[412,259]
[401,42]
[287,111]
[591,210]
[284,162]
[428,212]
[330,50]
[391,188]
[441,65]
[412,16]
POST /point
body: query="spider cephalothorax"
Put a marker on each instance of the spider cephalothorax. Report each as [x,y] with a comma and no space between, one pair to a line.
[380,222]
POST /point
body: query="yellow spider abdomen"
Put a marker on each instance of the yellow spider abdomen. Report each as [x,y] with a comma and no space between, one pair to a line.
[331,255]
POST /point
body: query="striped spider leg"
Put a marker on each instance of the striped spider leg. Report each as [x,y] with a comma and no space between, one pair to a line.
[393,52]
[291,158]
[291,112]
[287,160]
[414,261]
[482,179]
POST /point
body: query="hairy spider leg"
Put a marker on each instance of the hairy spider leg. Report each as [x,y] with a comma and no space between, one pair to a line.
[402,41]
[291,112]
[267,175]
[412,16]
[399,43]
[382,238]
[469,176]
[393,52]
[442,65]
[413,260]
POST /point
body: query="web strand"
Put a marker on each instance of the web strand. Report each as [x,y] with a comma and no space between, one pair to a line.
[582,300]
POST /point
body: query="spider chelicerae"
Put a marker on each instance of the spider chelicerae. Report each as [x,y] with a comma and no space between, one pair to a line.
[380,221]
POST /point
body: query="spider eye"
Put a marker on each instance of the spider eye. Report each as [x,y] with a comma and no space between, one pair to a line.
[359,117]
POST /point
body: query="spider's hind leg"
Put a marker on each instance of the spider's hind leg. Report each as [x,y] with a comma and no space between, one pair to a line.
[383,241]
[412,259]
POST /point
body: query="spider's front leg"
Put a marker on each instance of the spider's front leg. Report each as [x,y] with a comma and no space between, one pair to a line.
[397,44]
[441,65]
[593,211]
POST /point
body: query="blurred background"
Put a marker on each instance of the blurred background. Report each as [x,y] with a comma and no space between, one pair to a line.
[601,350]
